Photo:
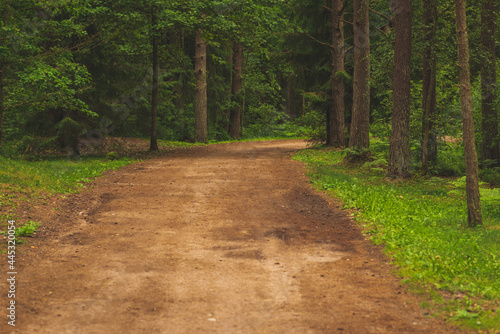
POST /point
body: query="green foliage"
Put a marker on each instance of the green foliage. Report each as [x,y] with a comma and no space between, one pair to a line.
[112,156]
[165,143]
[451,160]
[34,145]
[354,152]
[68,131]
[287,130]
[422,228]
[42,78]
[27,229]
[313,126]
[491,176]
[56,83]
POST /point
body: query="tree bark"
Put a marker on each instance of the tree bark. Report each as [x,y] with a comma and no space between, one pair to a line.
[429,144]
[489,126]
[474,217]
[234,128]
[2,96]
[399,148]
[154,99]
[227,113]
[336,136]
[181,93]
[303,103]
[3,68]
[200,92]
[360,123]
[290,96]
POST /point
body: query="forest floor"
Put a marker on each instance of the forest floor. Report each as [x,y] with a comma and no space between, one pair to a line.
[228,238]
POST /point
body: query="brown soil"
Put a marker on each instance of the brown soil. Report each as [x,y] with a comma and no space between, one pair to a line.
[227,238]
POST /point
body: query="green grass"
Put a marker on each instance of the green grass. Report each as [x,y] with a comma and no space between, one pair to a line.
[25,230]
[54,175]
[33,182]
[244,140]
[170,143]
[422,225]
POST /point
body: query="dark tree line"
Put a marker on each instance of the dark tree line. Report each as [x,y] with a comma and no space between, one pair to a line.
[398,30]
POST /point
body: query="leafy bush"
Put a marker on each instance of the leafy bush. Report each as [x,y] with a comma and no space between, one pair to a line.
[450,160]
[35,145]
[287,130]
[112,156]
[68,131]
[314,126]
[218,134]
[491,176]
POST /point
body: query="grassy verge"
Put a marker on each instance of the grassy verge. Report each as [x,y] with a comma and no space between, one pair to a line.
[30,182]
[421,224]
[243,140]
[54,175]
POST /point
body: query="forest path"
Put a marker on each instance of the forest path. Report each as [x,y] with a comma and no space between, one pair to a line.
[226,238]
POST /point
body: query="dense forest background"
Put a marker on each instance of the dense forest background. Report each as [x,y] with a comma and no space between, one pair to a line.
[339,72]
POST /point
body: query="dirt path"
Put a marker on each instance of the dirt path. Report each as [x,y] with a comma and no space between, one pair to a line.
[219,239]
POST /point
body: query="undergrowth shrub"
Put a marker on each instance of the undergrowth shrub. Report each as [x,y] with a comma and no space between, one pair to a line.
[29,145]
[491,176]
[68,131]
[286,130]
[450,160]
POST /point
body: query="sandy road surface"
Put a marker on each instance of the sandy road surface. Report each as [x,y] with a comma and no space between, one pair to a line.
[220,239]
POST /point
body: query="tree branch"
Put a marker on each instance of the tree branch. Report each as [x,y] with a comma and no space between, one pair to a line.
[327,8]
[380,14]
[317,40]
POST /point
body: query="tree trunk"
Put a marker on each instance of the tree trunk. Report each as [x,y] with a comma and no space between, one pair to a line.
[329,126]
[3,68]
[2,96]
[303,103]
[336,137]
[181,104]
[154,100]
[490,146]
[429,144]
[200,92]
[474,217]
[290,96]
[227,113]
[360,123]
[234,128]
[242,122]
[399,149]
